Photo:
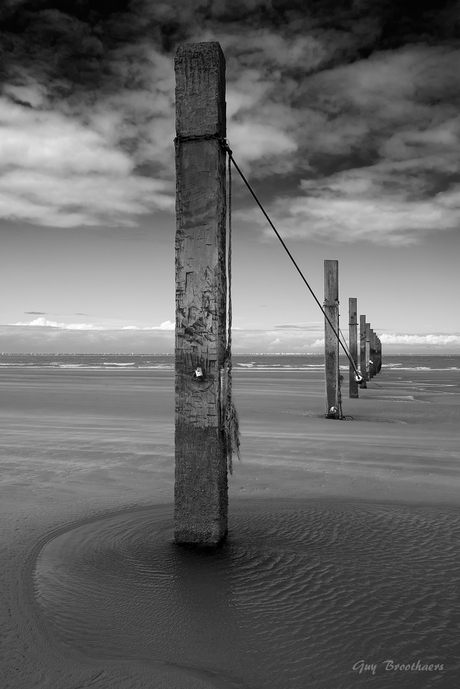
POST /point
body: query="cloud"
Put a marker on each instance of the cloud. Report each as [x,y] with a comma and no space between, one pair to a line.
[311,341]
[91,199]
[288,339]
[35,313]
[166,325]
[56,339]
[51,141]
[252,140]
[60,337]
[45,323]
[86,118]
[358,103]
[353,217]
[318,343]
[60,172]
[391,124]
[431,340]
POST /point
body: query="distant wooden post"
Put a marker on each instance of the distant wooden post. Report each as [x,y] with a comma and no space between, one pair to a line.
[379,355]
[200,491]
[371,354]
[331,342]
[353,340]
[368,350]
[362,349]
[375,353]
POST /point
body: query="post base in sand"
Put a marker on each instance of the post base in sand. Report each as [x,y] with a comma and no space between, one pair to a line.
[188,539]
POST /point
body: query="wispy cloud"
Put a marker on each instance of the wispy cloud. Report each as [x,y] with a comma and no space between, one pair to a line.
[311,340]
[48,336]
[45,323]
[55,339]
[58,171]
[431,340]
[276,340]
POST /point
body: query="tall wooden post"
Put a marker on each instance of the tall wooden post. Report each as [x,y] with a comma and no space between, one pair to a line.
[368,350]
[362,349]
[353,340]
[200,491]
[331,342]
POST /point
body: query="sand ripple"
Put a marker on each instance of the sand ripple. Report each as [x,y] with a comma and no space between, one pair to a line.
[301,592]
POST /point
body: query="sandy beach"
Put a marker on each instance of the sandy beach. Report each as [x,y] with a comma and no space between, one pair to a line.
[195,191]
[88,456]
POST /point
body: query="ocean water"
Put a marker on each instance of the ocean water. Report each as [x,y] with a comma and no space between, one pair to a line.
[247,362]
[305,592]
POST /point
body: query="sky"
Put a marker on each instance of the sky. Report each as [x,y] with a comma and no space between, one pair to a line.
[343,115]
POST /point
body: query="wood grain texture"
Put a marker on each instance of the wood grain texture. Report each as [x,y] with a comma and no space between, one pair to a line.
[368,350]
[353,339]
[201,492]
[362,349]
[331,342]
[373,354]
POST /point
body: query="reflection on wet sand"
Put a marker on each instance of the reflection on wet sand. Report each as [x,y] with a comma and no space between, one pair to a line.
[301,589]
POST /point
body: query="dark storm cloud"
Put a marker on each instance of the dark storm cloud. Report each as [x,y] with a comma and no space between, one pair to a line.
[82,91]
[78,46]
[356,100]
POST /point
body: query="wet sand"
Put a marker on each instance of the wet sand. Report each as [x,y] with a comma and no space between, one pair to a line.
[80,446]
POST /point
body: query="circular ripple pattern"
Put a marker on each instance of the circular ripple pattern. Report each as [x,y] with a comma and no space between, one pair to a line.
[299,594]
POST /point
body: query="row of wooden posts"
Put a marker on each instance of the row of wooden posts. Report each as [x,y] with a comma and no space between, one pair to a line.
[366,359]
[201,356]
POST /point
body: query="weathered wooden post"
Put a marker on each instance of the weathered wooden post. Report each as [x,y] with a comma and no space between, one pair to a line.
[379,355]
[368,350]
[374,354]
[371,354]
[331,342]
[362,350]
[201,490]
[353,340]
